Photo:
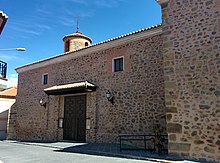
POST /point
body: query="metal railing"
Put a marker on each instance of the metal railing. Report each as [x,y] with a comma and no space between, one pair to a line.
[3,69]
[142,142]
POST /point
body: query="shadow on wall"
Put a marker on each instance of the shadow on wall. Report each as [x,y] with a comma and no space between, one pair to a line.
[3,124]
[11,130]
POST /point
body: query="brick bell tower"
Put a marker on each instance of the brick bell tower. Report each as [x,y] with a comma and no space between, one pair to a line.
[76,41]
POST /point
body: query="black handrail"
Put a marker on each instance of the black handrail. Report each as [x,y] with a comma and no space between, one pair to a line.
[3,69]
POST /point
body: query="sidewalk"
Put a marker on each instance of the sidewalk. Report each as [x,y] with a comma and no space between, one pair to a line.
[105,149]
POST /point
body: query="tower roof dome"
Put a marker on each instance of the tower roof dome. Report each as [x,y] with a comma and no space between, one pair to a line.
[78,35]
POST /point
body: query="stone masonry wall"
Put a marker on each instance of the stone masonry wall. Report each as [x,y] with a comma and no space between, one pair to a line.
[191,51]
[138,92]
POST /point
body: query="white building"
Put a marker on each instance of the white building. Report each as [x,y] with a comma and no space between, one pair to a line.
[7,99]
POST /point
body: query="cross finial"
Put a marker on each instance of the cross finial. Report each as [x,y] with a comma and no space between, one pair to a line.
[77,24]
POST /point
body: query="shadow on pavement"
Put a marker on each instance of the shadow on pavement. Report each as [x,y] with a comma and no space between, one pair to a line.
[113,150]
[105,149]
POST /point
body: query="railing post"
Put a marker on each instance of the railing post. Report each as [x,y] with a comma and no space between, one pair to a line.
[120,142]
[154,142]
[145,145]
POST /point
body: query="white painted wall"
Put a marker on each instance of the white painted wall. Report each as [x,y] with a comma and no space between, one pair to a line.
[5,105]
[3,83]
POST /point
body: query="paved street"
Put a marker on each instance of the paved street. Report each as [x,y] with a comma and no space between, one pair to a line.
[12,152]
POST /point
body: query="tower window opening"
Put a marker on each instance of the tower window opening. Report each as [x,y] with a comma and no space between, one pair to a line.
[86,44]
[67,46]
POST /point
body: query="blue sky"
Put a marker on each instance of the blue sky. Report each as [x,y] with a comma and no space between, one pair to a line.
[39,25]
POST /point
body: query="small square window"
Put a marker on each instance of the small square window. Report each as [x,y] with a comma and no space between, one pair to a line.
[118,64]
[45,79]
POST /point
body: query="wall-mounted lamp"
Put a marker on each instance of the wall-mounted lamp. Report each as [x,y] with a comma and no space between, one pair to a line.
[110,97]
[42,103]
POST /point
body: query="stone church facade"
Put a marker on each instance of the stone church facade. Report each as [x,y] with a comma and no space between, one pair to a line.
[167,74]
[130,113]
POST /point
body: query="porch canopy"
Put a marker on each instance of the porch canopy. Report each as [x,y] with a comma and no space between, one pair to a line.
[78,87]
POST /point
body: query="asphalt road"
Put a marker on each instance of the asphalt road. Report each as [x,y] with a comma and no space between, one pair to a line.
[21,153]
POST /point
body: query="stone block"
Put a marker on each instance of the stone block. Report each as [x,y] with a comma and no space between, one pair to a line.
[170,84]
[168,44]
[172,137]
[218,143]
[198,142]
[203,107]
[194,133]
[168,103]
[209,149]
[171,110]
[217,93]
[174,128]
[166,63]
[168,70]
[181,147]
[169,56]
[170,97]
[209,2]
[169,117]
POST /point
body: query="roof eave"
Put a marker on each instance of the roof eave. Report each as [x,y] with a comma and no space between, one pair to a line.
[7,96]
[162,2]
[77,87]
[4,20]
[144,33]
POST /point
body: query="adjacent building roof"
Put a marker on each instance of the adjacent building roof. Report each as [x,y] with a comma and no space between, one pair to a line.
[9,93]
[3,19]
[77,87]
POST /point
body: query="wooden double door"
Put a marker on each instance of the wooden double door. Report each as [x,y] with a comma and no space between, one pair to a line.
[74,124]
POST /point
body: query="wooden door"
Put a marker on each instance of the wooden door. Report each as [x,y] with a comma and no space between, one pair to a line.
[74,125]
